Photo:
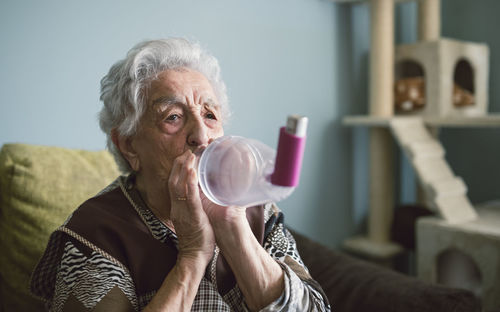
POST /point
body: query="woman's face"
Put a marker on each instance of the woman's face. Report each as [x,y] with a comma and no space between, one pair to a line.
[182,113]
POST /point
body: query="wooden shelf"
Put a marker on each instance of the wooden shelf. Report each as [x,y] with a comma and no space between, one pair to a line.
[491,120]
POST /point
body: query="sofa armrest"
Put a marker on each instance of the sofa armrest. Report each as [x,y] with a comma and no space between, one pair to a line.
[355,285]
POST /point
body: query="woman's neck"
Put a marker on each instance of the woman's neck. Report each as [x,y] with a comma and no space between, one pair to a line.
[156,198]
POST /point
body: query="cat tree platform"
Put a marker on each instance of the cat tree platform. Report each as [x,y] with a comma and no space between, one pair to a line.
[490,120]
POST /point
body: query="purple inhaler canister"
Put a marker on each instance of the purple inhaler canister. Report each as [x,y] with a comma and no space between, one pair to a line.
[291,144]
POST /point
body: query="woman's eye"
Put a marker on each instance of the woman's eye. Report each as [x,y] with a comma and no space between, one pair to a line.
[210,116]
[173,117]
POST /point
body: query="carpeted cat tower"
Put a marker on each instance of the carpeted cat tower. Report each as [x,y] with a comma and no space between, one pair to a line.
[434,80]
[446,78]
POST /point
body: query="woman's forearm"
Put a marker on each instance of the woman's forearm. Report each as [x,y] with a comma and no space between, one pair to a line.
[179,288]
[258,275]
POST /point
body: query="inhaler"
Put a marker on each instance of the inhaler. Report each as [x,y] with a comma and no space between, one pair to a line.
[237,171]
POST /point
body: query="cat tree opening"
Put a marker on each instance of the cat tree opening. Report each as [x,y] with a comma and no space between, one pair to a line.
[457,269]
[409,87]
[463,88]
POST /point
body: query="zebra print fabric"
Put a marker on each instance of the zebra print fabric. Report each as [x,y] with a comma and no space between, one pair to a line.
[89,279]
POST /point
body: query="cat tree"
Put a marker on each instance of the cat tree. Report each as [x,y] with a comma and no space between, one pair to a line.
[441,63]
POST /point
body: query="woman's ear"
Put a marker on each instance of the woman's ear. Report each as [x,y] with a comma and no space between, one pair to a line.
[124,144]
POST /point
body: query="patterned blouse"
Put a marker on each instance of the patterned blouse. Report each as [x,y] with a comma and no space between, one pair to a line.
[93,281]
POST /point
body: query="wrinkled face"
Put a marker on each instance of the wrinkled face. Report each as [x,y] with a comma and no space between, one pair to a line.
[182,113]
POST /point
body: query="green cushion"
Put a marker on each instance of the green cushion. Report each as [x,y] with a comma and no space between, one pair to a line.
[39,188]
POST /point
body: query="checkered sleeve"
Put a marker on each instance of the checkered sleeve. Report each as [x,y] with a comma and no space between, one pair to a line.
[302,292]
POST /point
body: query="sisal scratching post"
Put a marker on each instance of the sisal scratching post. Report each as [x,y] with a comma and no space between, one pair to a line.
[381,185]
[382,58]
[381,99]
[377,246]
[429,24]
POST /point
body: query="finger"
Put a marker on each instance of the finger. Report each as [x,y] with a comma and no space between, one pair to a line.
[177,166]
[193,193]
[181,182]
[189,165]
[176,182]
[174,178]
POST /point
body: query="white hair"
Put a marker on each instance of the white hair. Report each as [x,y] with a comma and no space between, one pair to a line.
[124,88]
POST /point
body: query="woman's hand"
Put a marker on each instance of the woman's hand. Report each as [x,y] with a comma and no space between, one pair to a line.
[192,226]
[221,216]
[198,222]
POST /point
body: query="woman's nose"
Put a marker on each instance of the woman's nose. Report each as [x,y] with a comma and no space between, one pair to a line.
[198,134]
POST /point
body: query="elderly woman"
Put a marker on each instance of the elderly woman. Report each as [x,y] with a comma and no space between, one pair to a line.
[151,240]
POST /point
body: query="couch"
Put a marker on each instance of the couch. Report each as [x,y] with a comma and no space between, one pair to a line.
[40,186]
